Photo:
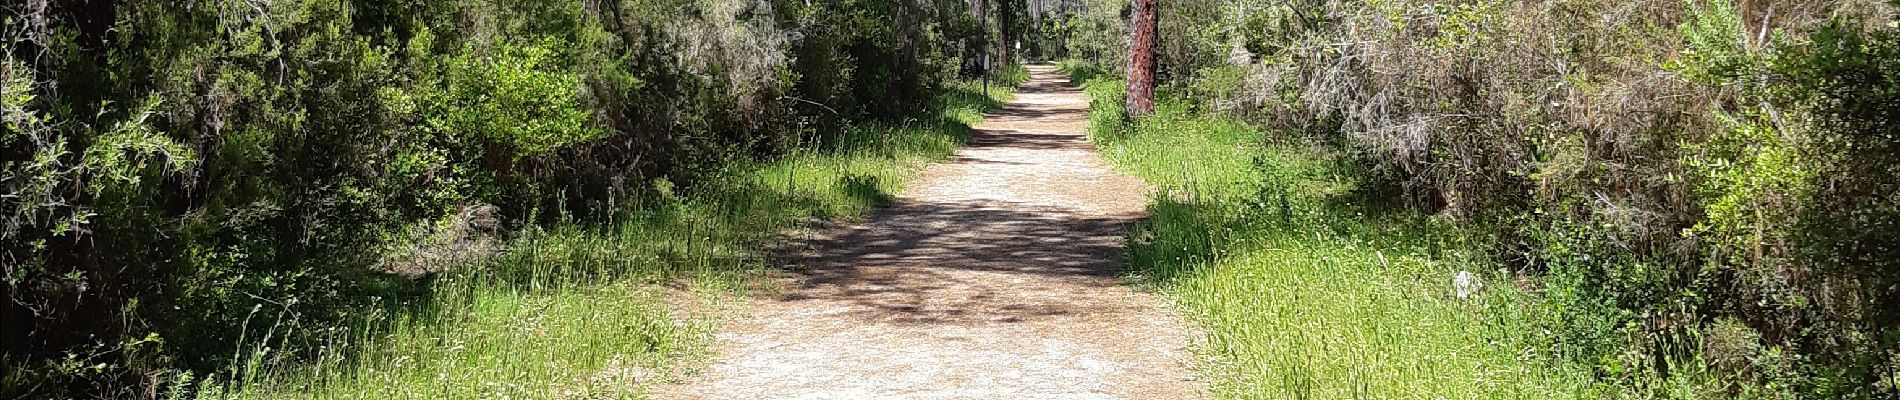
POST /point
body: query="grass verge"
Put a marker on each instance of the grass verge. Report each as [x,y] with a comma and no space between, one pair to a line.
[606,310]
[1306,290]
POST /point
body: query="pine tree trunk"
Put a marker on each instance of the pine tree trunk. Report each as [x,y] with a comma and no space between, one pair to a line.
[1144,29]
[1003,25]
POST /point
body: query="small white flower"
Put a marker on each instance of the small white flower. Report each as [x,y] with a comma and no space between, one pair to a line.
[1466,284]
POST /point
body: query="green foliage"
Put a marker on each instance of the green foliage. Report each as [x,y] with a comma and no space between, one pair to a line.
[1013,75]
[120,156]
[1101,34]
[59,176]
[1305,289]
[1702,192]
[580,300]
[1106,122]
[1081,72]
[1714,51]
[1750,176]
[1213,88]
[513,98]
[230,177]
[40,186]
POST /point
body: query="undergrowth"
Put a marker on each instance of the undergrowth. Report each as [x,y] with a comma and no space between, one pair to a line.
[1304,287]
[600,311]
[181,181]
[1702,190]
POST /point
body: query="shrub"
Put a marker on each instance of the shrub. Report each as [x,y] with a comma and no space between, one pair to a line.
[1699,184]
[186,180]
[511,99]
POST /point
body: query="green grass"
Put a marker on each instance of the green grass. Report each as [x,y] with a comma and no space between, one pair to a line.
[1079,71]
[1307,291]
[1013,75]
[606,310]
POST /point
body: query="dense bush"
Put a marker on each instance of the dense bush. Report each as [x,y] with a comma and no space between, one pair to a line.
[1707,188]
[182,178]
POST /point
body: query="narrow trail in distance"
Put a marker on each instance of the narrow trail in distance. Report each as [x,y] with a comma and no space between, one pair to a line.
[992,277]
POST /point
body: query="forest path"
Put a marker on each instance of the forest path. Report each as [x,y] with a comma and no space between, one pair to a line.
[992,277]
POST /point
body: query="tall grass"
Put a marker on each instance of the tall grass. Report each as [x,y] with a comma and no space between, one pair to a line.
[1705,188]
[601,310]
[1013,75]
[1305,289]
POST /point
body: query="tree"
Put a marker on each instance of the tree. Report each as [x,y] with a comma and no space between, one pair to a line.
[979,47]
[1143,33]
[1004,24]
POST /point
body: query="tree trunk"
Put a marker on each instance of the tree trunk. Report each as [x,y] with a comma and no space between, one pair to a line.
[1144,29]
[980,47]
[1003,25]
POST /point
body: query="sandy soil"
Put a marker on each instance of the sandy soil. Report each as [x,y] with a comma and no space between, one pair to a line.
[993,277]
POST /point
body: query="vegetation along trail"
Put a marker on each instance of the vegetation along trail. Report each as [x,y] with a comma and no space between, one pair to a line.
[993,276]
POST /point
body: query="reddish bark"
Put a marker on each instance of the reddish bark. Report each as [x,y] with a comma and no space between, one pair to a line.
[1144,29]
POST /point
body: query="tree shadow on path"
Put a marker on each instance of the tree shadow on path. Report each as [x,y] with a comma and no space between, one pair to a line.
[961,263]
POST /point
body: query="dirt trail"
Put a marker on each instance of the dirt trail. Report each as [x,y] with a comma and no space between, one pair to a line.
[992,278]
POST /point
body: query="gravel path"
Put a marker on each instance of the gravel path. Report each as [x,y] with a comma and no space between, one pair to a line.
[993,277]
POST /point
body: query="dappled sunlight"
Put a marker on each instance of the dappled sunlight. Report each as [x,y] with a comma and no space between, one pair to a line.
[996,275]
